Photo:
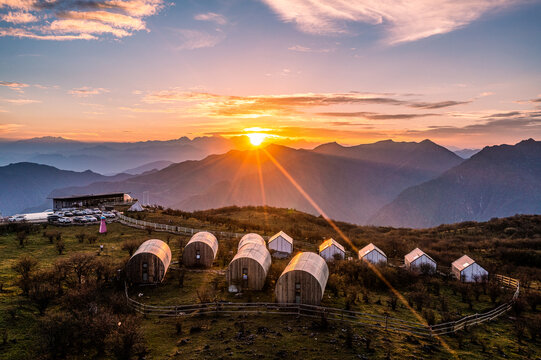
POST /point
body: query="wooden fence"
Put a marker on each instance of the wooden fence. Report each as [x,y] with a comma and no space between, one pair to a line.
[173,228]
[378,321]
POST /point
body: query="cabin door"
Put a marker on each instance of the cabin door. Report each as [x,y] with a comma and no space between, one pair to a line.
[197,256]
[297,293]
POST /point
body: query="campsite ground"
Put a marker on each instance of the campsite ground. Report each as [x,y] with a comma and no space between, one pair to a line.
[269,336]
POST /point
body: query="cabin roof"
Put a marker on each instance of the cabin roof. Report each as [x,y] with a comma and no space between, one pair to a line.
[257,252]
[463,262]
[311,263]
[155,247]
[206,238]
[368,248]
[415,254]
[251,238]
[330,242]
[285,236]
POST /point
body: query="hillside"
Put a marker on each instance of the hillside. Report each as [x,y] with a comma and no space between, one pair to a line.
[27,185]
[346,188]
[498,181]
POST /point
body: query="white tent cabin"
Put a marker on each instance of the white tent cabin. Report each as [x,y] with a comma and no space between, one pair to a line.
[372,254]
[281,243]
[417,259]
[251,238]
[466,269]
[136,207]
[330,249]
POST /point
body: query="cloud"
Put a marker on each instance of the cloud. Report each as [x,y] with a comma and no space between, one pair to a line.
[195,39]
[300,48]
[7,128]
[285,105]
[86,91]
[18,17]
[20,101]
[375,116]
[403,20]
[76,20]
[213,17]
[14,85]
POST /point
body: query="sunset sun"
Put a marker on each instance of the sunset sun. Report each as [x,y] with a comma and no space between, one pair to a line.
[257,138]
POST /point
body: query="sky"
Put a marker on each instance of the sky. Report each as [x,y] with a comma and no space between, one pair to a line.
[463,73]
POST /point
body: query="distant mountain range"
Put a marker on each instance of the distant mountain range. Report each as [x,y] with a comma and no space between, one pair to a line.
[109,157]
[25,186]
[498,181]
[349,183]
[404,184]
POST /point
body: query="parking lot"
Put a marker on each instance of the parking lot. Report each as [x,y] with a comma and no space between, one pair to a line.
[65,216]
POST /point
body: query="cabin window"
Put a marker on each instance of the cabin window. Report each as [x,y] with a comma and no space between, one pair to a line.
[197,255]
[244,273]
[145,271]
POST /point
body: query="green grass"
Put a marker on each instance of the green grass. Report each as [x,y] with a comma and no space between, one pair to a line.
[266,336]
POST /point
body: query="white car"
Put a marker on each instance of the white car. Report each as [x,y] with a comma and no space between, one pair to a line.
[90,218]
[16,218]
[65,220]
[108,215]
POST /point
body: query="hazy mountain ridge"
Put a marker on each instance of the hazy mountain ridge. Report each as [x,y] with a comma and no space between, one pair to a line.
[109,157]
[498,181]
[347,188]
[26,186]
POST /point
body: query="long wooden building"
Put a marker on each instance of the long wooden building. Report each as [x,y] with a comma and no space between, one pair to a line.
[149,263]
[201,250]
[303,280]
[251,238]
[248,269]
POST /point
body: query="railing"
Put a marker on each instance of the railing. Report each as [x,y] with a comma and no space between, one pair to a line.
[382,322]
[173,228]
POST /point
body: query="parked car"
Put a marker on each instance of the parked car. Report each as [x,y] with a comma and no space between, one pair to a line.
[16,218]
[108,215]
[78,213]
[68,213]
[65,220]
[59,213]
[53,218]
[96,211]
[80,219]
[90,218]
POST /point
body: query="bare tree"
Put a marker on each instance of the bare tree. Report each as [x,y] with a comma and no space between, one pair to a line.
[24,267]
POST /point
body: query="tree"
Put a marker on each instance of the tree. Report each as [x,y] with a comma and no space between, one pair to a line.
[21,236]
[81,237]
[60,246]
[82,264]
[130,246]
[126,339]
[24,267]
[42,290]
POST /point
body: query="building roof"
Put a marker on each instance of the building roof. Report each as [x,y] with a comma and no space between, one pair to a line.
[463,262]
[257,252]
[74,197]
[416,253]
[329,242]
[158,248]
[368,248]
[285,236]
[207,238]
[136,207]
[251,238]
[311,263]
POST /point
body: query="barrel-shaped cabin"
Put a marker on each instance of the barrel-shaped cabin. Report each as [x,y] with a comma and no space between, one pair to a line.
[149,264]
[303,280]
[201,250]
[251,238]
[249,267]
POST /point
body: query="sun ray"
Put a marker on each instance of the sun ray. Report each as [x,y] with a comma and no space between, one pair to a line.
[346,239]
